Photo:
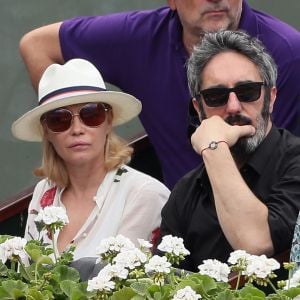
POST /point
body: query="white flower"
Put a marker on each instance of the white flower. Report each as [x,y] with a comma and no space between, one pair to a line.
[261,266]
[52,214]
[215,269]
[130,258]
[173,244]
[13,247]
[144,244]
[114,271]
[294,281]
[186,293]
[100,283]
[114,244]
[158,264]
[237,256]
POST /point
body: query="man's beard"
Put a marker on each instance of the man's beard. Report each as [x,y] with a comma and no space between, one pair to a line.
[247,145]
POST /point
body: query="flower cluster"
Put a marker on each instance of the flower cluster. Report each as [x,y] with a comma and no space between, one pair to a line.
[13,249]
[131,272]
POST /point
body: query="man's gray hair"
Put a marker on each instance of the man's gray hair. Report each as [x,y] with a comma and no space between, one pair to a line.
[224,41]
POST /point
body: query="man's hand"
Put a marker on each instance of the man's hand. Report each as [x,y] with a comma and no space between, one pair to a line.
[216,129]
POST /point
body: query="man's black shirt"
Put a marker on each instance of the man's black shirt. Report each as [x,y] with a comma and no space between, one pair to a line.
[272,173]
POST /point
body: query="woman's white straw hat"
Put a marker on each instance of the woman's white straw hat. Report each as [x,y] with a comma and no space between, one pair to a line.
[77,81]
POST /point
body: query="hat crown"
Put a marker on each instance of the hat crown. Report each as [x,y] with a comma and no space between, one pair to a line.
[73,74]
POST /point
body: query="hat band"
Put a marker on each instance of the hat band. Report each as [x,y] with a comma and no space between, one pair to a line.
[69,90]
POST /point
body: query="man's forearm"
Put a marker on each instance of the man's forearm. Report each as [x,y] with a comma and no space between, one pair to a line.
[40,48]
[242,216]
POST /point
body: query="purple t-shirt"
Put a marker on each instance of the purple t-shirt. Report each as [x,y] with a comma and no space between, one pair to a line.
[142,53]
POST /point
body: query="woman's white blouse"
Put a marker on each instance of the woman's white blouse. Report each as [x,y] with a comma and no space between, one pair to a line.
[128,202]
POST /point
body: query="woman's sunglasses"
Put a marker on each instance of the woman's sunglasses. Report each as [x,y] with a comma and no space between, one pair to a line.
[91,114]
[246,92]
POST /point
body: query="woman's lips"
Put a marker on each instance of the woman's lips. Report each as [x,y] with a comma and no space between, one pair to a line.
[79,145]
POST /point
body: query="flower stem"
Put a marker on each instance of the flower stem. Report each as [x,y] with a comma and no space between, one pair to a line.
[238,281]
[22,267]
[273,287]
[13,265]
[53,244]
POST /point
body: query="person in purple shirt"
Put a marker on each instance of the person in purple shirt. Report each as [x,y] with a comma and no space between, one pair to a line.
[144,53]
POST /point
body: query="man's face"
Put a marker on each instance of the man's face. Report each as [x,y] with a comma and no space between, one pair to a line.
[198,16]
[228,70]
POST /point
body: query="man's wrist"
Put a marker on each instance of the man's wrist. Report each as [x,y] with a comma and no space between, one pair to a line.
[213,145]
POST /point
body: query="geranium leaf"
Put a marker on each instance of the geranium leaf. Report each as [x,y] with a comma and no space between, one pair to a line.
[292,292]
[4,294]
[126,294]
[44,260]
[34,294]
[3,269]
[66,273]
[225,295]
[140,287]
[74,291]
[15,288]
[251,290]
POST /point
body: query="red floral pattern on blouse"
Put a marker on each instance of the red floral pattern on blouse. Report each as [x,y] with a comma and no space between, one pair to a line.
[154,237]
[48,197]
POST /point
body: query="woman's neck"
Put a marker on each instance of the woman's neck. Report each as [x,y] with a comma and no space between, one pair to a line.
[85,180]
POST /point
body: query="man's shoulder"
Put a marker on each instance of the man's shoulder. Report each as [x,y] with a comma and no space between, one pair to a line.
[133,16]
[271,30]
[190,179]
[289,141]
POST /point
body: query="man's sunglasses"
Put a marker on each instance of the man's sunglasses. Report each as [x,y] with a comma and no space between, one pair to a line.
[91,114]
[246,92]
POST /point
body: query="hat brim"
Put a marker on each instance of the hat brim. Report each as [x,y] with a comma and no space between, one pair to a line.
[125,107]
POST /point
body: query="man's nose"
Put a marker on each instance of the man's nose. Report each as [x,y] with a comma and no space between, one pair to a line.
[233,105]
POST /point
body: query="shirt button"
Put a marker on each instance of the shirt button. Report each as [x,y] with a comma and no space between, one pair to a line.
[84,234]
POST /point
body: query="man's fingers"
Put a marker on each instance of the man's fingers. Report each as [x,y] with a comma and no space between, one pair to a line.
[245,130]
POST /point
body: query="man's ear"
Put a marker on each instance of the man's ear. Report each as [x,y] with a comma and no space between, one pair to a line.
[172,4]
[273,94]
[196,106]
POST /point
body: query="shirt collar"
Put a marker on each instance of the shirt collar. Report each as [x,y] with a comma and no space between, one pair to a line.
[175,33]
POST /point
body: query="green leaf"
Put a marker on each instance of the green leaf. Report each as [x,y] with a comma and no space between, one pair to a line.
[253,291]
[225,295]
[34,294]
[4,294]
[15,288]
[75,291]
[3,269]
[140,287]
[125,293]
[66,273]
[292,292]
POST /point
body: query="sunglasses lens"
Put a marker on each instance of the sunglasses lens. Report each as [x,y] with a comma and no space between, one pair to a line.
[248,92]
[58,120]
[215,97]
[93,114]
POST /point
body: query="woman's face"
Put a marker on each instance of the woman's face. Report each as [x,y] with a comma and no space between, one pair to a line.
[81,144]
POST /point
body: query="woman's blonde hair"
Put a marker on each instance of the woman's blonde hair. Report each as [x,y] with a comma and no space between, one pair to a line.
[117,152]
